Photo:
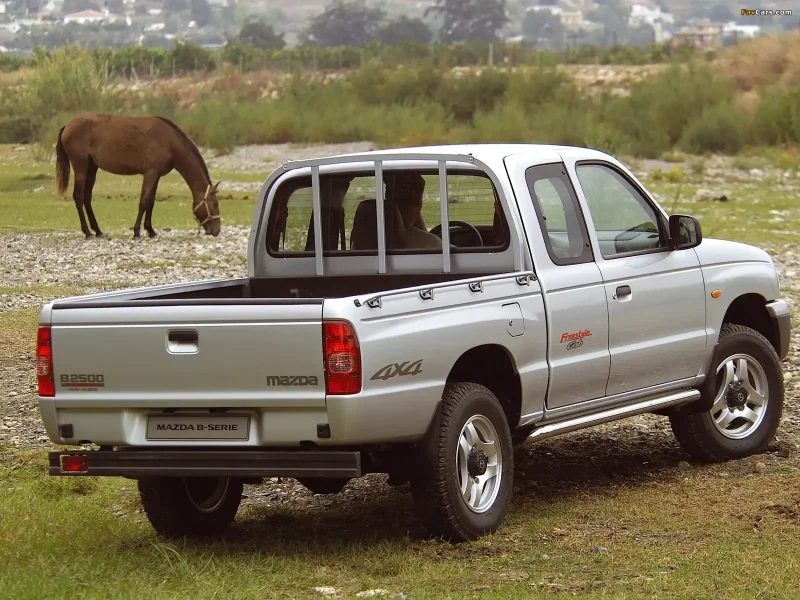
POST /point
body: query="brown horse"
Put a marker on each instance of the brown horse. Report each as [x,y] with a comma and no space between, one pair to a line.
[148,146]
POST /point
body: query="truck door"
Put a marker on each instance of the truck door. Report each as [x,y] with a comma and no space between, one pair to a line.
[572,286]
[656,296]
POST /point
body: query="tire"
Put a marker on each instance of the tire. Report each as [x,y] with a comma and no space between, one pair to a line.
[324,485]
[190,506]
[719,434]
[443,463]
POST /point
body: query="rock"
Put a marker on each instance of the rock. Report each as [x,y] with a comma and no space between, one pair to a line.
[372,593]
[599,550]
[704,195]
[761,467]
[325,591]
[683,465]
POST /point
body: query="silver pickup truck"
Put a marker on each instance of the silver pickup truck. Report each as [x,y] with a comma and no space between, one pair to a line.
[367,338]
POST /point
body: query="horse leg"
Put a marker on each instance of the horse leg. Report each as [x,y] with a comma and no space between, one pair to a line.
[148,215]
[78,197]
[149,181]
[91,177]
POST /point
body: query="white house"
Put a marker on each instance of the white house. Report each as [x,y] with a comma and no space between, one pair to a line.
[86,16]
[154,12]
[155,27]
[651,15]
[3,8]
[742,31]
[556,10]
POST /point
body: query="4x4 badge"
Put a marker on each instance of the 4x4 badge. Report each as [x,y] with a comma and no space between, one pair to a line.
[405,368]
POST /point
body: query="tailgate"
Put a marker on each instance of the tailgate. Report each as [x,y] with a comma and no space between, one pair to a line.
[190,354]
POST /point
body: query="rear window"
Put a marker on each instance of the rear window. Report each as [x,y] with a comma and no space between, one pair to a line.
[412,214]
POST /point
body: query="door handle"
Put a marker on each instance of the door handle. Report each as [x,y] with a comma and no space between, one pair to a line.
[182,341]
[623,290]
[183,337]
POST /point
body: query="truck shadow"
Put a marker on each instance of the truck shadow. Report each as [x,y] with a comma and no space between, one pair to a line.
[284,517]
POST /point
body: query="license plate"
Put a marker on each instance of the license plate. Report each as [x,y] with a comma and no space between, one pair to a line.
[194,427]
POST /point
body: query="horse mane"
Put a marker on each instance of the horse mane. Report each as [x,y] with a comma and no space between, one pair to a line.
[191,145]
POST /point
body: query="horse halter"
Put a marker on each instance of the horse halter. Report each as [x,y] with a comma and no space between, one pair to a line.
[209,216]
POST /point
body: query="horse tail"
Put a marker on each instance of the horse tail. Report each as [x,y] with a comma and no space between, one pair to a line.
[62,165]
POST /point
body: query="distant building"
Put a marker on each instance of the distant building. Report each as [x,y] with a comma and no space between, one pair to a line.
[3,8]
[643,15]
[86,16]
[700,37]
[733,29]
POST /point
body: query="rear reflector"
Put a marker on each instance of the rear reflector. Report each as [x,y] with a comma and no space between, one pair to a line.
[44,362]
[342,358]
[74,463]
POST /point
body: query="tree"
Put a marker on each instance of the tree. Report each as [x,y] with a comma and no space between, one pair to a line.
[258,34]
[201,12]
[470,20]
[404,29]
[117,7]
[345,23]
[720,13]
[545,28]
[172,7]
[73,6]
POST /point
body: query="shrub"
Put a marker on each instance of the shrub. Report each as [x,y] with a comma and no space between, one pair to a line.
[717,129]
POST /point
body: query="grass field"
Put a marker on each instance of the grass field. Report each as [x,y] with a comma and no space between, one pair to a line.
[698,534]
[611,512]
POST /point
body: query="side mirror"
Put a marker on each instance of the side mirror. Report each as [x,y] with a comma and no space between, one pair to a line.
[684,232]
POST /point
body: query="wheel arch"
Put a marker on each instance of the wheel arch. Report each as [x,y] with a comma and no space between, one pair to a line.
[502,378]
[750,311]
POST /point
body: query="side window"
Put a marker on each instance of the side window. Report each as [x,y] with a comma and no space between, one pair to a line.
[623,219]
[412,213]
[560,218]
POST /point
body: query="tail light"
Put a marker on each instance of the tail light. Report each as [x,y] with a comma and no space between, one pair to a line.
[74,463]
[342,358]
[44,363]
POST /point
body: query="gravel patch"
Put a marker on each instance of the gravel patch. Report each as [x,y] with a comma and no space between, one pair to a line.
[639,448]
[265,158]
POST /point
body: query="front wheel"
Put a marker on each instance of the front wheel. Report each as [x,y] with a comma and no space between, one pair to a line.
[466,466]
[746,385]
[190,506]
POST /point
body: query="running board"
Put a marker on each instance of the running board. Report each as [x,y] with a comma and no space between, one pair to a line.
[614,414]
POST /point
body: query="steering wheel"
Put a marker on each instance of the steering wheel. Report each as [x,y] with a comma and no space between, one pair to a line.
[437,230]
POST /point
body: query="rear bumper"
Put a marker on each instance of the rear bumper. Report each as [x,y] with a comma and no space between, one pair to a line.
[213,463]
[782,323]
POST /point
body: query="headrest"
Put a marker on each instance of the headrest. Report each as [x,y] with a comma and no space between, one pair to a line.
[364,235]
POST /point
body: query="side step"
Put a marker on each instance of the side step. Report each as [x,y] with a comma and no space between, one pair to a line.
[614,414]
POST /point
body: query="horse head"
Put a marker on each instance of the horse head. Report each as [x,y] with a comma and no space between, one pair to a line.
[206,210]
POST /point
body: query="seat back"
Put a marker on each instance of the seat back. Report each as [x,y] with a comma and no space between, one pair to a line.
[364,235]
[333,235]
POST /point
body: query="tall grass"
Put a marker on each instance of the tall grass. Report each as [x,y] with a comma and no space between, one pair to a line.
[691,107]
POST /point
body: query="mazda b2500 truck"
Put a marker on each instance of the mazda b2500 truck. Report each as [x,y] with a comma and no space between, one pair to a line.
[369,338]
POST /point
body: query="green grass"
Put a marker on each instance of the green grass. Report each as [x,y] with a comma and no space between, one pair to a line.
[88,538]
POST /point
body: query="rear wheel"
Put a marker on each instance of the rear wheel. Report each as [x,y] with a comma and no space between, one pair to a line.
[463,487]
[745,390]
[190,506]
